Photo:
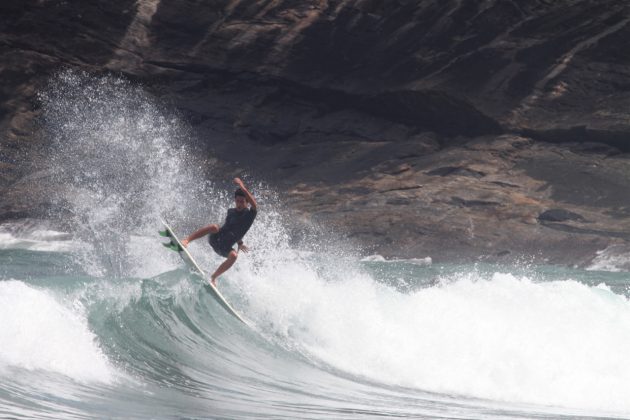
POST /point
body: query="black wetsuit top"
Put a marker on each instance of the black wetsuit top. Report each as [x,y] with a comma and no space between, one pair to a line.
[236,225]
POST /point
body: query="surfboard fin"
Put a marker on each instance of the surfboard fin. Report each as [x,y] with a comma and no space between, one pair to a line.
[173,246]
[164,233]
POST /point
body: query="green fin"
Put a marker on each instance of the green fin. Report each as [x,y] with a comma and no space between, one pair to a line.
[172,246]
[165,233]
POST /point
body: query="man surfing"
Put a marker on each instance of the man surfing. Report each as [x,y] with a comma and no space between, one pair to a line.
[222,239]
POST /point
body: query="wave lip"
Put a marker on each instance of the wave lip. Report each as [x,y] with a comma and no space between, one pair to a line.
[38,333]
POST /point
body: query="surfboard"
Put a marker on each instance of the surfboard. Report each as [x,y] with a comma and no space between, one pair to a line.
[177,246]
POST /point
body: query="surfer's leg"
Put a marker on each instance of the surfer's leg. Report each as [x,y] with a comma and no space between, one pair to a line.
[225,266]
[210,229]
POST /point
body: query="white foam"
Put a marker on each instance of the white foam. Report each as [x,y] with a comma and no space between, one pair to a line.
[149,257]
[502,338]
[380,258]
[614,258]
[37,332]
[38,240]
[374,258]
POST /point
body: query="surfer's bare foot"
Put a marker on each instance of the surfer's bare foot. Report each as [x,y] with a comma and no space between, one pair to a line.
[213,281]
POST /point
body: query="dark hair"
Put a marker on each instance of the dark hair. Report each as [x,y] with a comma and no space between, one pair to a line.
[239,193]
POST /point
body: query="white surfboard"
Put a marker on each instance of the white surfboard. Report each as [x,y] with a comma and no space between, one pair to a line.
[187,257]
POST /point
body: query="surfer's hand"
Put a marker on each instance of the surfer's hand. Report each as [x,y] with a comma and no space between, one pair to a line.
[185,243]
[243,247]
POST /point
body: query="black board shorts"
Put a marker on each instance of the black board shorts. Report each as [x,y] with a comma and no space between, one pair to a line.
[220,244]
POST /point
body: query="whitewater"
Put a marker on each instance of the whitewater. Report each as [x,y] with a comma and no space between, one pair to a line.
[98,320]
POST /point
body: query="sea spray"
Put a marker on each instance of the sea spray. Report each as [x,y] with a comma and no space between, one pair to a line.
[117,162]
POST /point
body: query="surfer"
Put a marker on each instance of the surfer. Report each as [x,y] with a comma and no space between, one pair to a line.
[222,239]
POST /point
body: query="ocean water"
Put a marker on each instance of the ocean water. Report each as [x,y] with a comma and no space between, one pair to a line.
[98,320]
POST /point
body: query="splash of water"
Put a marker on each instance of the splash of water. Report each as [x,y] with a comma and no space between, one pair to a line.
[118,162]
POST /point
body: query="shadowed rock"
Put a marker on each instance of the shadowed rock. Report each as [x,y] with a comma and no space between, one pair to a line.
[453,170]
[559,215]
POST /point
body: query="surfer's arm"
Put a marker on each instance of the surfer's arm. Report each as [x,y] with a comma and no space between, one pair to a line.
[248,196]
[200,233]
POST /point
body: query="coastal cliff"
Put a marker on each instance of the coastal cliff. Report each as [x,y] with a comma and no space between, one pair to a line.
[460,130]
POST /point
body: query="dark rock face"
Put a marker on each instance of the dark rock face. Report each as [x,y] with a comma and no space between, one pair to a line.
[559,215]
[440,128]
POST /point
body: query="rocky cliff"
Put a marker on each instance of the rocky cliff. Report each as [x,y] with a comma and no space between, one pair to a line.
[457,129]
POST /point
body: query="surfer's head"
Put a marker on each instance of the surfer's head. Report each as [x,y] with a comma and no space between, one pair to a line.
[240,199]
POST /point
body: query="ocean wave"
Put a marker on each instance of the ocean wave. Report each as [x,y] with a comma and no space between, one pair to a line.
[331,337]
[502,338]
[39,333]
